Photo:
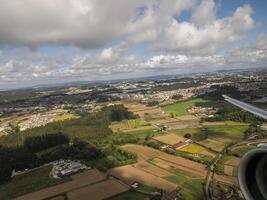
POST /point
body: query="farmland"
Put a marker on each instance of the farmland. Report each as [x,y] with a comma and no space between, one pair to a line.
[192,148]
[127,125]
[83,184]
[29,182]
[160,170]
[170,139]
[222,133]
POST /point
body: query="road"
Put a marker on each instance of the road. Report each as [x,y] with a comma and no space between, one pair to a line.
[248,107]
[209,177]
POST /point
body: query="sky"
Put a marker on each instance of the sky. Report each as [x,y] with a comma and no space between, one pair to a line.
[57,41]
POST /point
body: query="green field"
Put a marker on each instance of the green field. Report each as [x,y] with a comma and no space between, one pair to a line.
[29,182]
[130,195]
[228,130]
[145,131]
[180,108]
[193,189]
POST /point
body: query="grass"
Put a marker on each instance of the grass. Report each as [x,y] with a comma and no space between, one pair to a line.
[130,195]
[192,189]
[180,108]
[29,182]
[192,148]
[228,130]
[178,179]
[142,133]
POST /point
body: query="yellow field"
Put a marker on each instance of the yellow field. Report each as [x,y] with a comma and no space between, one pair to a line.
[192,148]
[65,117]
[170,139]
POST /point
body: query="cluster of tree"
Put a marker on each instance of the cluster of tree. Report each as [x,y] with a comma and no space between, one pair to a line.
[177,97]
[255,130]
[14,158]
[38,143]
[123,138]
[21,158]
[236,115]
[218,91]
[152,103]
[118,113]
[78,150]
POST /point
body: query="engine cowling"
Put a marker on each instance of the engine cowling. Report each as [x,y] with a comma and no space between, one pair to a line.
[252,174]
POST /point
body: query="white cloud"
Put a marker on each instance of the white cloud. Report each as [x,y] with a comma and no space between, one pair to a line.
[204,13]
[112,28]
[83,23]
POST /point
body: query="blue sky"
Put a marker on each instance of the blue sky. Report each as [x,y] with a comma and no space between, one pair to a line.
[100,40]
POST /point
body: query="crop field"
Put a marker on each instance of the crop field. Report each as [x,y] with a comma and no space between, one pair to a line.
[228,170]
[223,134]
[180,108]
[233,161]
[127,125]
[29,182]
[98,191]
[226,179]
[79,180]
[241,150]
[215,143]
[130,195]
[192,148]
[170,139]
[130,174]
[146,153]
[193,189]
[141,109]
[142,132]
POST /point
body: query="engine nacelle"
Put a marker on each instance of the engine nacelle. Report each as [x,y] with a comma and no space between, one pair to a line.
[252,174]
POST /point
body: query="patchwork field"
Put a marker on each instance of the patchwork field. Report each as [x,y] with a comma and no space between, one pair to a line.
[79,180]
[223,133]
[161,170]
[146,153]
[215,143]
[180,108]
[130,174]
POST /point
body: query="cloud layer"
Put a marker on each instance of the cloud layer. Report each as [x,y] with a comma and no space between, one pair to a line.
[104,33]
